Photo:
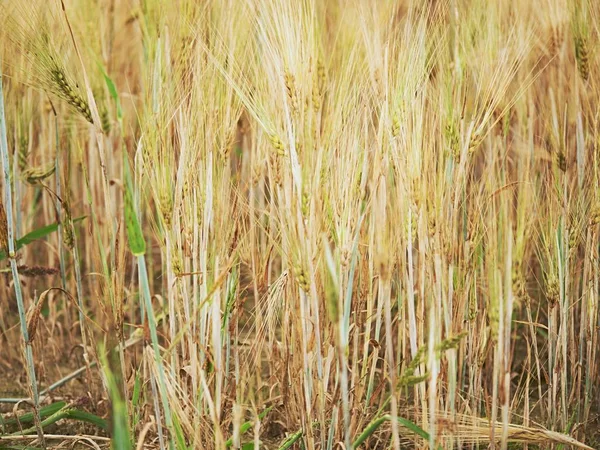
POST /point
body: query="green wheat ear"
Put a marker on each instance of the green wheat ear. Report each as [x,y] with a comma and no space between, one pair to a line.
[135,237]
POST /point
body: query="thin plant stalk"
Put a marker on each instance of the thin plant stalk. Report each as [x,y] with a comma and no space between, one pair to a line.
[13,265]
[58,206]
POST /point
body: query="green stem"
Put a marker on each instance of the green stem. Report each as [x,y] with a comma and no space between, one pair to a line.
[13,265]
[162,387]
[58,206]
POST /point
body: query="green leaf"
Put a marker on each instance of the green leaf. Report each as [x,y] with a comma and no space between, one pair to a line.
[288,442]
[84,416]
[247,425]
[371,427]
[120,432]
[179,436]
[137,389]
[112,89]
[44,412]
[135,237]
[231,296]
[249,445]
[40,233]
[67,412]
[120,438]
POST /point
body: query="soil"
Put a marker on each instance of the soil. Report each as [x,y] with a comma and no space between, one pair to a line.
[79,391]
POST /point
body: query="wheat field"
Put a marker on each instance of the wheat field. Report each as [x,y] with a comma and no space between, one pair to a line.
[300,224]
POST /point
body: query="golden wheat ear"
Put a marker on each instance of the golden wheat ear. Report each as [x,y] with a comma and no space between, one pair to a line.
[33,34]
[64,89]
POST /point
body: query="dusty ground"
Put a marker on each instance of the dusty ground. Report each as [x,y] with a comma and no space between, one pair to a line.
[79,390]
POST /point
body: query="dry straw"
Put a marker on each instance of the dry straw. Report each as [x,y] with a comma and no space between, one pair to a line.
[344,221]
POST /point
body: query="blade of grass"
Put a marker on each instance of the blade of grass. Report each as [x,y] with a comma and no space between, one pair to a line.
[375,424]
[35,235]
[247,425]
[28,417]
